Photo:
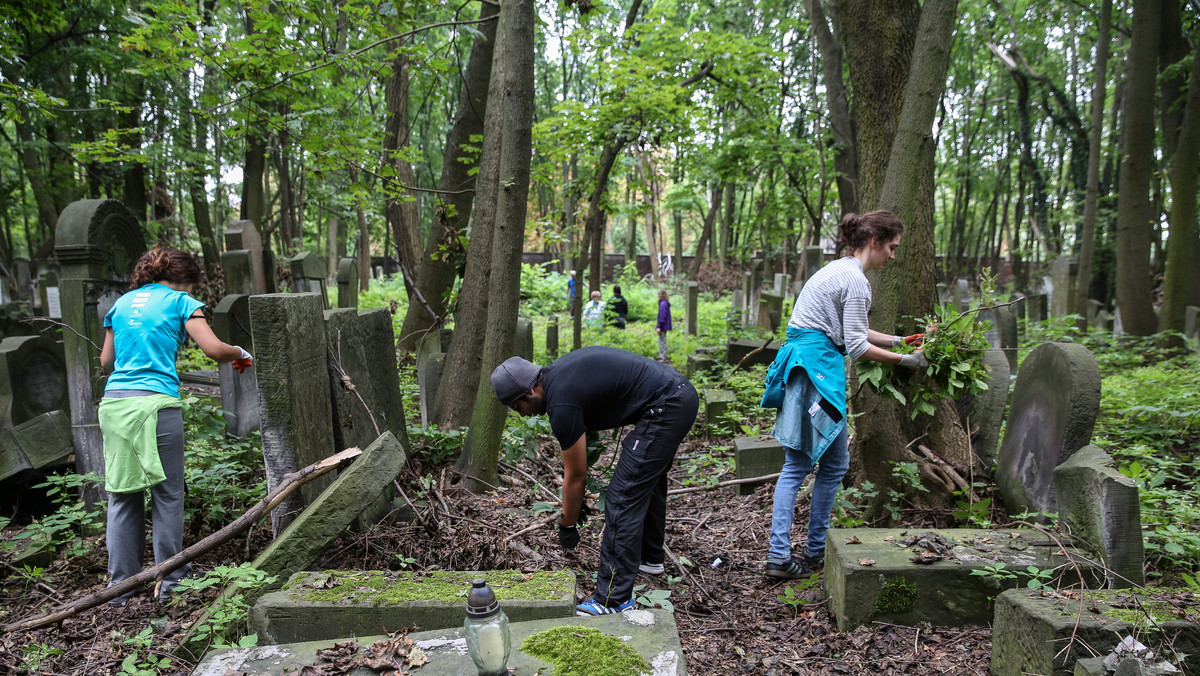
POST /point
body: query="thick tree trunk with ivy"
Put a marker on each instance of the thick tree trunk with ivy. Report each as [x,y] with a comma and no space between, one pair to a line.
[895,102]
[504,185]
[1134,211]
[443,251]
[1185,165]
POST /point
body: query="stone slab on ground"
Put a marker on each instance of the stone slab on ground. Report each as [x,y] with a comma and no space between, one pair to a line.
[1031,630]
[336,603]
[1102,507]
[736,350]
[755,456]
[870,574]
[652,633]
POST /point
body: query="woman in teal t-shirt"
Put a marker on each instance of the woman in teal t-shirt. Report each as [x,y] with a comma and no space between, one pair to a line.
[141,416]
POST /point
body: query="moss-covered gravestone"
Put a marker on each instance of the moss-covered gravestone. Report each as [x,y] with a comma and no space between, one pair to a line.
[1101,506]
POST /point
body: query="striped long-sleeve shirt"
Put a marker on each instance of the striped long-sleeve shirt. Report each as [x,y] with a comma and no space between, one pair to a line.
[836,301]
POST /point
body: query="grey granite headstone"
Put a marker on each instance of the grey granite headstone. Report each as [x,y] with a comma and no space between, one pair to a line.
[754,457]
[97,243]
[308,275]
[717,414]
[237,264]
[22,278]
[377,272]
[737,349]
[983,414]
[347,282]
[1094,311]
[431,356]
[1062,300]
[33,378]
[692,307]
[51,297]
[523,339]
[243,235]
[747,294]
[239,391]
[770,311]
[293,392]
[1101,507]
[1035,308]
[1003,333]
[1053,411]
[962,295]
[1191,322]
[813,258]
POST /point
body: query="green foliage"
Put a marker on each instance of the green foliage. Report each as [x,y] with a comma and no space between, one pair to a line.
[62,529]
[905,479]
[975,513]
[850,504]
[705,469]
[388,292]
[226,622]
[1032,576]
[585,650]
[791,595]
[543,292]
[34,655]
[653,598]
[192,358]
[141,660]
[224,474]
[435,444]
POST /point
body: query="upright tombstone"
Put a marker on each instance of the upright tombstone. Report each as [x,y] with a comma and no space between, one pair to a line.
[362,348]
[770,310]
[1191,322]
[239,391]
[747,294]
[22,276]
[293,392]
[97,244]
[962,295]
[983,414]
[1003,333]
[48,289]
[243,235]
[1063,272]
[693,306]
[737,300]
[238,267]
[552,338]
[347,284]
[1095,312]
[523,339]
[33,378]
[431,358]
[308,275]
[1053,411]
[813,257]
[1101,507]
[1035,308]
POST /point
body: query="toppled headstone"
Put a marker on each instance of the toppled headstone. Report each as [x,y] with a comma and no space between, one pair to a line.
[651,633]
[755,457]
[1054,406]
[33,378]
[239,391]
[1036,633]
[293,389]
[1101,506]
[910,576]
[44,441]
[982,414]
[337,603]
[738,349]
[701,361]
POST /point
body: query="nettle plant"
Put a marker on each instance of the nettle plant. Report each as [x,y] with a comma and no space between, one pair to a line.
[954,345]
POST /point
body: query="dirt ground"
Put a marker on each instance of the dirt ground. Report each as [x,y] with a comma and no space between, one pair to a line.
[731,618]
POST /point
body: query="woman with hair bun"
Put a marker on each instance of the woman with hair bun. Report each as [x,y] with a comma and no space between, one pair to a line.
[141,416]
[807,382]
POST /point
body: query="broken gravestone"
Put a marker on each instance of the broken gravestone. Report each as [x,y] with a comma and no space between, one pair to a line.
[1102,508]
[42,442]
[1053,411]
[983,414]
[33,378]
[239,391]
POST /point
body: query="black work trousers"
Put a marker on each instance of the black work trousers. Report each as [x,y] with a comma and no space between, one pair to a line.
[635,505]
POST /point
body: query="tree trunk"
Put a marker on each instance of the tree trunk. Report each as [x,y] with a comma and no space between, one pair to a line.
[134,175]
[1134,215]
[845,152]
[42,194]
[1087,238]
[401,209]
[504,182]
[593,237]
[896,158]
[714,209]
[1181,246]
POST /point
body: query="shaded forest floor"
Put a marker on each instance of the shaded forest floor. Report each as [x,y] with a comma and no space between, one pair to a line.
[731,618]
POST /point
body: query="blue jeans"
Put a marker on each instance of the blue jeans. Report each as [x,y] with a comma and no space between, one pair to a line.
[828,476]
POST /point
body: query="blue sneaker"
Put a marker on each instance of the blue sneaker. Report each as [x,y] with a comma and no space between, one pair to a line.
[594,607]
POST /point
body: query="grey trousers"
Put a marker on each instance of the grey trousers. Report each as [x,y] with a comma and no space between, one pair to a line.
[126,533]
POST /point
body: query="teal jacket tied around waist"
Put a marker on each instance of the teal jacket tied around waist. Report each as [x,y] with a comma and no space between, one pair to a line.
[812,402]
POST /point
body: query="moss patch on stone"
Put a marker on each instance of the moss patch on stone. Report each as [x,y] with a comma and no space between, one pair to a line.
[378,587]
[584,650]
[1144,610]
[896,596]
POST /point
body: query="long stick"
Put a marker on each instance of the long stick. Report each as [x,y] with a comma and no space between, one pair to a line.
[290,483]
[731,482]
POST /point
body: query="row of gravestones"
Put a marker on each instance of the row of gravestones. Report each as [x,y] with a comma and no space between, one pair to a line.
[431,358]
[763,308]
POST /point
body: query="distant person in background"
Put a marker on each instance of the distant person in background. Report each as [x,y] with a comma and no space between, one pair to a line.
[664,323]
[571,293]
[618,308]
[141,415]
[593,311]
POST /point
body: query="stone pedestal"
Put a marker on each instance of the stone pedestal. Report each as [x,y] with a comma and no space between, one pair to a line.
[755,457]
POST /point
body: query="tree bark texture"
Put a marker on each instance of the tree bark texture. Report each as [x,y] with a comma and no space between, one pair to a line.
[1182,244]
[845,151]
[443,252]
[510,121]
[401,209]
[1087,238]
[905,186]
[1134,213]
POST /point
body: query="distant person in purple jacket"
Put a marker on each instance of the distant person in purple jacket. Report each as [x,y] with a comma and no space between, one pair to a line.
[664,323]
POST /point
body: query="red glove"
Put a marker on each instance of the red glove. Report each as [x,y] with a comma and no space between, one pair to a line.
[914,339]
[240,365]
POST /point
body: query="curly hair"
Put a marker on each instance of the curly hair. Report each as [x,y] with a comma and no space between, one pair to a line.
[856,232]
[165,264]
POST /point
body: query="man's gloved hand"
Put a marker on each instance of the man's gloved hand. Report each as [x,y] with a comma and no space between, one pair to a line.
[916,361]
[243,362]
[568,536]
[585,512]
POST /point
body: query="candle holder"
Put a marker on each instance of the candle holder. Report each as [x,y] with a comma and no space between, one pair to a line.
[486,629]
